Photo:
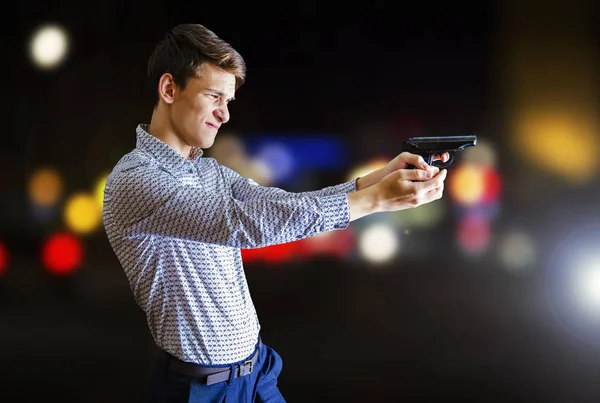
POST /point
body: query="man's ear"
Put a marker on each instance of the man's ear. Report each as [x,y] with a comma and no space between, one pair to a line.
[166,88]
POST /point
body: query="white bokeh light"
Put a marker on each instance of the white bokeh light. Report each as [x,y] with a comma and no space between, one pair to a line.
[378,243]
[517,252]
[588,284]
[49,46]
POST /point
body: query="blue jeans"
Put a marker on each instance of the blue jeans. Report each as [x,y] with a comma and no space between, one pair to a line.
[260,386]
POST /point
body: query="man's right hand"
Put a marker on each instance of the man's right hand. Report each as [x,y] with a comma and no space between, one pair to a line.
[399,190]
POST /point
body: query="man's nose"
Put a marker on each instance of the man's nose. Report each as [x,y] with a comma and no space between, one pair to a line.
[222,113]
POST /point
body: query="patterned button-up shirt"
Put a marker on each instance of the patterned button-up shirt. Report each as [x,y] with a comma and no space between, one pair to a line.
[177,226]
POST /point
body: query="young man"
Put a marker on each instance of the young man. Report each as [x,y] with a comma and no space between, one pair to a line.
[177,222]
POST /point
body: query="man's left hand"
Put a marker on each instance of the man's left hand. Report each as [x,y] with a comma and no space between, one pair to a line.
[404,160]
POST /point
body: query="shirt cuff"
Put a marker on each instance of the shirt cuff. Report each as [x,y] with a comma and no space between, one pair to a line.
[336,210]
[349,186]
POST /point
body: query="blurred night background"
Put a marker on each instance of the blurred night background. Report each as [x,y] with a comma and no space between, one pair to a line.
[491,294]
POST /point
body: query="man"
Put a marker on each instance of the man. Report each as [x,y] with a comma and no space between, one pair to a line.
[177,222]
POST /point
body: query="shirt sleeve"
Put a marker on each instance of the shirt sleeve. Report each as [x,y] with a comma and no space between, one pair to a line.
[147,200]
[245,188]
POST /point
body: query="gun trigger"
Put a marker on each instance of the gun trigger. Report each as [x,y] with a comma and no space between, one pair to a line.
[441,164]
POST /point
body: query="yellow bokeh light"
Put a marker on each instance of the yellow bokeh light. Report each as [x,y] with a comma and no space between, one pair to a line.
[99,189]
[45,187]
[544,137]
[483,155]
[466,185]
[366,168]
[82,213]
[426,215]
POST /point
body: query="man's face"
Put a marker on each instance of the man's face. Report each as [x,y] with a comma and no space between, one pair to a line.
[201,108]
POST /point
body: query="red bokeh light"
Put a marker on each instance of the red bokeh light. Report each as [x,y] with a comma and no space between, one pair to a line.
[493,186]
[3,258]
[280,253]
[271,254]
[335,244]
[62,254]
[474,233]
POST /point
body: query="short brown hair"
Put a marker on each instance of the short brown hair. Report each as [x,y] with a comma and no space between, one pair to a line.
[184,49]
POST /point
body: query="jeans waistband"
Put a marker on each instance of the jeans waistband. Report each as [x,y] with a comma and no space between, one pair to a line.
[213,374]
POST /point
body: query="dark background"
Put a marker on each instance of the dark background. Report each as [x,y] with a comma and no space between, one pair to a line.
[441,326]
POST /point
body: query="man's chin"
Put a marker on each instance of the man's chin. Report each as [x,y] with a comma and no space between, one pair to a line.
[205,143]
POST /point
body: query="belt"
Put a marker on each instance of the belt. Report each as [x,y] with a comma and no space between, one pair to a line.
[213,374]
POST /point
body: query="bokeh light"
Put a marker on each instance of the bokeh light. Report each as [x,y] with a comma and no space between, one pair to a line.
[543,136]
[425,216]
[337,243]
[230,151]
[473,234]
[3,258]
[378,243]
[588,285]
[366,168]
[45,187]
[99,190]
[49,46]
[62,254]
[278,158]
[466,185]
[573,283]
[279,253]
[517,252]
[484,154]
[493,185]
[273,254]
[82,213]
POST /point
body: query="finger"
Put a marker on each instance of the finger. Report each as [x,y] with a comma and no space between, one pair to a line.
[436,181]
[441,176]
[436,193]
[414,160]
[445,156]
[433,169]
[417,174]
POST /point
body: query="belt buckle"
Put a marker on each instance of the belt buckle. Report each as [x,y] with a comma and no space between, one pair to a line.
[246,368]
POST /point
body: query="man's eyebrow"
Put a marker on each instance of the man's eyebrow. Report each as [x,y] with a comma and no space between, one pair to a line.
[220,93]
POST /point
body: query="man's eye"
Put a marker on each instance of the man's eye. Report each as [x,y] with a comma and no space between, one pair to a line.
[214,96]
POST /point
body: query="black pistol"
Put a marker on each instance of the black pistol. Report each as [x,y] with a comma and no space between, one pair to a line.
[429,147]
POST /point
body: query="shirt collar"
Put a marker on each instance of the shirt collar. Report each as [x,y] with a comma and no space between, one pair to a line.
[163,152]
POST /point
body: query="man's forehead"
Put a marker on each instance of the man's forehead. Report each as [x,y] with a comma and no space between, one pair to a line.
[217,78]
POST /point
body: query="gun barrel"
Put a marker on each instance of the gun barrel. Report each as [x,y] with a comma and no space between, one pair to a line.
[444,143]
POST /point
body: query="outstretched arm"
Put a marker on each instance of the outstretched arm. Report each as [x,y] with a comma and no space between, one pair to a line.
[391,188]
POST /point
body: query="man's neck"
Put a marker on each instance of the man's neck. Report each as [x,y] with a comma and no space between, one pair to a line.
[166,134]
